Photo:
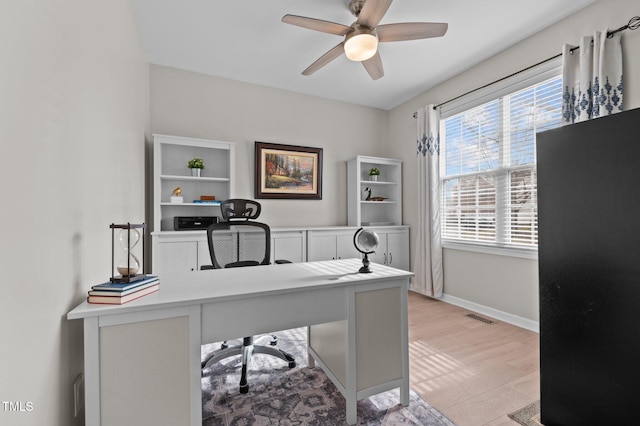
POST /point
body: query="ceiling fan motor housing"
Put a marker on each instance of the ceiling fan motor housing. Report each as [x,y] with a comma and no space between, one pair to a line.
[355,6]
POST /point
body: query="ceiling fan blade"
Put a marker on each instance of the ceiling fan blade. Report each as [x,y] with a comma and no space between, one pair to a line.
[325,59]
[372,12]
[411,31]
[317,24]
[373,66]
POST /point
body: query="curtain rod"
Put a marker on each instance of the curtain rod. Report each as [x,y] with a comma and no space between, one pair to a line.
[633,24]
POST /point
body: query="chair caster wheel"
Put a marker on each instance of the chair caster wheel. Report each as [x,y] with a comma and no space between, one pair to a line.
[292,364]
[244,389]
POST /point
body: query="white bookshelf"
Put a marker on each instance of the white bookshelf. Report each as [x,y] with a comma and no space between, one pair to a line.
[171,154]
[186,250]
[363,212]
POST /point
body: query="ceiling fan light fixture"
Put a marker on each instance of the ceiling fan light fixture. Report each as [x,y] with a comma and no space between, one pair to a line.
[361,44]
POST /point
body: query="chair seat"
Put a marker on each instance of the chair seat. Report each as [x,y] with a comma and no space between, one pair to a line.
[241,264]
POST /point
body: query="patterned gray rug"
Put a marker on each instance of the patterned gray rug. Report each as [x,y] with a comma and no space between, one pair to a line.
[300,396]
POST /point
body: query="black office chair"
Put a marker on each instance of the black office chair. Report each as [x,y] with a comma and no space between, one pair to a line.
[238,241]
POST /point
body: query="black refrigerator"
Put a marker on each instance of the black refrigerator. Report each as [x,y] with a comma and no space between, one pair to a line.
[589,271]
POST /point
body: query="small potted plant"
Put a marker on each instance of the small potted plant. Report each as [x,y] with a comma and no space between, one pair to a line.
[196,165]
[373,174]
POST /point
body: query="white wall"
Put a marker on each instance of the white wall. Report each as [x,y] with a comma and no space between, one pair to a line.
[74,102]
[189,104]
[507,284]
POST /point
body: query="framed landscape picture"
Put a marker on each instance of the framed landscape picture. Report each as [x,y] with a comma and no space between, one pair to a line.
[288,171]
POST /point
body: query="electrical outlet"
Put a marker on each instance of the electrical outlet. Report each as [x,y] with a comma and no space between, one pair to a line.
[78,395]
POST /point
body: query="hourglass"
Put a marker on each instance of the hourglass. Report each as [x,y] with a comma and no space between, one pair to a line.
[128,264]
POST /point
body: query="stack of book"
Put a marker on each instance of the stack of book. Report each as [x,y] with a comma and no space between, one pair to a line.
[207,199]
[118,293]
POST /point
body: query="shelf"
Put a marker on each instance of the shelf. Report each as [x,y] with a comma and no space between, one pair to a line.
[378,202]
[193,178]
[164,203]
[376,182]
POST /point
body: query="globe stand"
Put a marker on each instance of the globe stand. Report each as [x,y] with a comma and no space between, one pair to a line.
[365,265]
[365,242]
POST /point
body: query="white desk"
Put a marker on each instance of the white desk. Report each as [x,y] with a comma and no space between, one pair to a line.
[142,359]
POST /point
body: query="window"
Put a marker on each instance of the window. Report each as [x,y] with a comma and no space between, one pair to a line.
[488,169]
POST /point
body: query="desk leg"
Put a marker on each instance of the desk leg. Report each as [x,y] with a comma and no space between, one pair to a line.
[91,371]
[352,412]
[311,361]
[404,396]
[351,385]
[404,321]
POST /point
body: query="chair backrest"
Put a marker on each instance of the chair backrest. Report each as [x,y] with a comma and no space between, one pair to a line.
[234,244]
[240,209]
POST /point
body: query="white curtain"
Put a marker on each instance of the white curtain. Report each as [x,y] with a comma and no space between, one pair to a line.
[427,262]
[592,78]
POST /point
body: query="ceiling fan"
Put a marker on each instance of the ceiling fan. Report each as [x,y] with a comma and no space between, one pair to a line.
[362,37]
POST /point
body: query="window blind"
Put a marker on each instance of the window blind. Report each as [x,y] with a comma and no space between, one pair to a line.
[488,166]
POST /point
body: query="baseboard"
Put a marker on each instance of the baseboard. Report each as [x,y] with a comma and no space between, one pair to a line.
[493,313]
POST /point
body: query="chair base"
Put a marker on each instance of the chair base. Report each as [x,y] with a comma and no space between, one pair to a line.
[247,349]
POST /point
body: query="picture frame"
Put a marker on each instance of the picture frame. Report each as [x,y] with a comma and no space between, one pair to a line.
[288,171]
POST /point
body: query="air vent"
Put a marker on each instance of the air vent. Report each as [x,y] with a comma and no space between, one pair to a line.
[481,319]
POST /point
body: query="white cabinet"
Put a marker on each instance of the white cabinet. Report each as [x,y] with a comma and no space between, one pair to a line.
[393,249]
[189,250]
[374,202]
[180,252]
[331,244]
[177,257]
[289,245]
[171,154]
[337,243]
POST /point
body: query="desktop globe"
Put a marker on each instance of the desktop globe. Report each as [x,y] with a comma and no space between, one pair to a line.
[366,243]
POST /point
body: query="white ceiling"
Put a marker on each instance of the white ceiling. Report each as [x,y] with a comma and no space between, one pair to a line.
[245,40]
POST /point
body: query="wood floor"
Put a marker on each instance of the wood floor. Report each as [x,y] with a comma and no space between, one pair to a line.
[474,373]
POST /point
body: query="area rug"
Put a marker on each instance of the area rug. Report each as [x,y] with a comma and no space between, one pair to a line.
[299,396]
[529,415]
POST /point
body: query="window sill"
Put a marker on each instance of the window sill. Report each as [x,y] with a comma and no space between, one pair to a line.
[524,253]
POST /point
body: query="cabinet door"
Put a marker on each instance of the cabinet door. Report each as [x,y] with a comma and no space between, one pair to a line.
[321,247]
[287,246]
[177,257]
[380,256]
[345,248]
[398,250]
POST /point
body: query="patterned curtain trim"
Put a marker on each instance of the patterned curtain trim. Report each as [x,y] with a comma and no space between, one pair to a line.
[594,101]
[428,144]
[592,78]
